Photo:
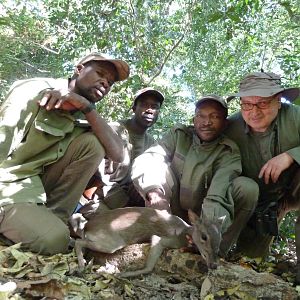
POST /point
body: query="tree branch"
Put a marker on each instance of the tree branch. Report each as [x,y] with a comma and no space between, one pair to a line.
[19,38]
[165,60]
[29,65]
[134,26]
[45,48]
[186,26]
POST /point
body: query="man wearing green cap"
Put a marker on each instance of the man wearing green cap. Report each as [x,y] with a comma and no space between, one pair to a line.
[111,186]
[52,141]
[267,131]
[197,167]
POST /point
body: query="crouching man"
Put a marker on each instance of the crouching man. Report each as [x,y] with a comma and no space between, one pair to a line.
[197,167]
[267,131]
[51,144]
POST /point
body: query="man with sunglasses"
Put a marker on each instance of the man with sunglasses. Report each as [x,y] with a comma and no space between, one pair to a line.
[267,131]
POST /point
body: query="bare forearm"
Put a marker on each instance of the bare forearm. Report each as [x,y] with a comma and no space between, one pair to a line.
[70,101]
[109,139]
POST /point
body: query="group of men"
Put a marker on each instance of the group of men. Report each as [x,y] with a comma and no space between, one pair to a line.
[58,156]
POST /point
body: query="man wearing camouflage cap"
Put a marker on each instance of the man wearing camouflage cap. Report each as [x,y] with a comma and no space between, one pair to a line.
[197,167]
[267,131]
[52,141]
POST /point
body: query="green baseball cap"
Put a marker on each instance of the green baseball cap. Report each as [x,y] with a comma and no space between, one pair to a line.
[148,91]
[121,66]
[264,84]
[212,97]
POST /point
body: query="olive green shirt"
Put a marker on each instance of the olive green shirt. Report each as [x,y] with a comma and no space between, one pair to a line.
[32,138]
[203,171]
[133,144]
[256,149]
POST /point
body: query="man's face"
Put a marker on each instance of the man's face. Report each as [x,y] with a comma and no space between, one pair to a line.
[209,120]
[95,79]
[146,110]
[259,118]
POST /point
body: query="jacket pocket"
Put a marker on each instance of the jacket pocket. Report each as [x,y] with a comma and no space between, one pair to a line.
[53,123]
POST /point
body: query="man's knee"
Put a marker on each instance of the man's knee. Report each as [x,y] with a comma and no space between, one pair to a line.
[116,197]
[245,192]
[90,143]
[55,241]
[35,227]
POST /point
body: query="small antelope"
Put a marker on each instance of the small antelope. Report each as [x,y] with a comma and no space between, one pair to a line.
[112,230]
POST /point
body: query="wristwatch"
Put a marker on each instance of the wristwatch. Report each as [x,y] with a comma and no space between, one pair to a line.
[89,108]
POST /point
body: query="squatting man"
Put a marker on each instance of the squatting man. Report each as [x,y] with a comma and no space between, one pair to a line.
[52,141]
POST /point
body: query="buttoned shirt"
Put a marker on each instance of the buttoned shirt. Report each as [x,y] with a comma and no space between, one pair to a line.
[31,138]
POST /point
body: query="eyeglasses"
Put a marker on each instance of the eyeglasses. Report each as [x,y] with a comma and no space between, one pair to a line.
[261,104]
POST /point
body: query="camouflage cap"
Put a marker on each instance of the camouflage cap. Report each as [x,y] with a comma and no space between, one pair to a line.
[264,84]
[212,97]
[121,66]
[148,91]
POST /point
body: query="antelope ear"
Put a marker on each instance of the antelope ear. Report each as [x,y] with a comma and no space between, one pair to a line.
[193,217]
[221,220]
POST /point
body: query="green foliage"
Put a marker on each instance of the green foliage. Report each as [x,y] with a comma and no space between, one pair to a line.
[286,233]
[191,46]
[184,48]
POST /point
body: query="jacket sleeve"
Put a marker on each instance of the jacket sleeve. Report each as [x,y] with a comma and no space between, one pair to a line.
[218,201]
[295,151]
[112,171]
[150,168]
[18,109]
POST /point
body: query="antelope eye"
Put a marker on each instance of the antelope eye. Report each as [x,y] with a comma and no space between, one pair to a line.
[204,237]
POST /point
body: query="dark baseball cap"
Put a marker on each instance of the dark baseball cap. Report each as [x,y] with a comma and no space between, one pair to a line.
[148,91]
[212,97]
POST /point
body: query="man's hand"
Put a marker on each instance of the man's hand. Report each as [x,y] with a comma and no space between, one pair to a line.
[275,166]
[63,99]
[156,199]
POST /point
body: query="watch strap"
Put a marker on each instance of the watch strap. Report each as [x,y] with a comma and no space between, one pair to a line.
[88,108]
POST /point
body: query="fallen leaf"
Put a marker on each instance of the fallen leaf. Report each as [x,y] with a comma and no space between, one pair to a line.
[231,291]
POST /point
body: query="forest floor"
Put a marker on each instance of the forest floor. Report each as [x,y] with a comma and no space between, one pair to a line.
[24,275]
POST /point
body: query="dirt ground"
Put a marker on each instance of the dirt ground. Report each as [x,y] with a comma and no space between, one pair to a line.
[24,275]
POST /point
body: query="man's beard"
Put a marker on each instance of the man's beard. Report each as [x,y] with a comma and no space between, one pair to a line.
[88,94]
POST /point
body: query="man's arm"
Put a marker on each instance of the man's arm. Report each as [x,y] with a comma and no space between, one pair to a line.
[69,101]
[150,168]
[17,113]
[289,118]
[216,202]
[107,136]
